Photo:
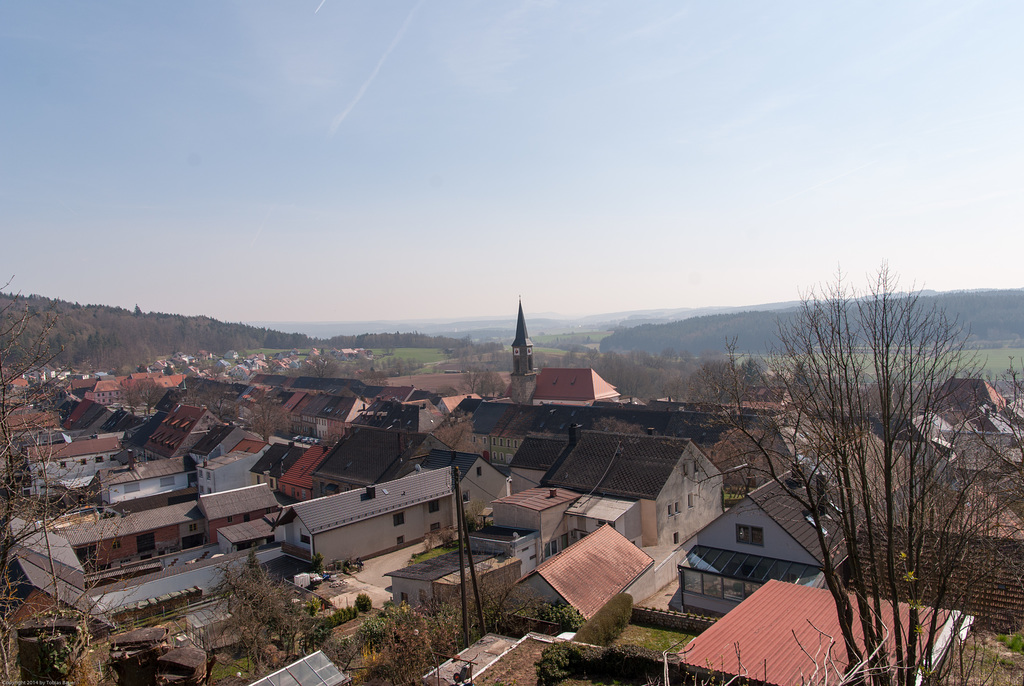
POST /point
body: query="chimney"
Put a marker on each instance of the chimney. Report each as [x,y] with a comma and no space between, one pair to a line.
[552,492]
[131,459]
[574,431]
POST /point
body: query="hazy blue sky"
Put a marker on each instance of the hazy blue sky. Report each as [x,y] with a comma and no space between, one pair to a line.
[354,160]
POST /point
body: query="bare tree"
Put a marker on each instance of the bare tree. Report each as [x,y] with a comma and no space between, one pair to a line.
[491,383]
[322,366]
[862,376]
[456,432]
[26,420]
[267,415]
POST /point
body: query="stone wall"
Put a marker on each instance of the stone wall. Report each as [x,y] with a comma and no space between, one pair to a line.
[682,621]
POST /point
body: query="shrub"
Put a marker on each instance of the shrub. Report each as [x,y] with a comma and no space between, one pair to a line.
[318,563]
[558,662]
[363,603]
[561,661]
[566,616]
[606,625]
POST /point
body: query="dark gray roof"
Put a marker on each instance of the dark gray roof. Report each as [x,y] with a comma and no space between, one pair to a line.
[371,455]
[142,434]
[487,415]
[776,502]
[443,459]
[436,567]
[618,464]
[278,459]
[501,533]
[538,452]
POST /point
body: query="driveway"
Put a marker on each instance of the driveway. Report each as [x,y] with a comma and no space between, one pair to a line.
[371,580]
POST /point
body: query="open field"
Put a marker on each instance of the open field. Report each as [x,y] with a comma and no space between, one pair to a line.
[997,360]
[578,337]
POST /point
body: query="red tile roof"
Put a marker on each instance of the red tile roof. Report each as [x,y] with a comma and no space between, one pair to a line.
[771,633]
[571,384]
[301,473]
[592,570]
[249,445]
[539,498]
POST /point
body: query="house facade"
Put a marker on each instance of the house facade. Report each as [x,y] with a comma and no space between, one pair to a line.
[369,521]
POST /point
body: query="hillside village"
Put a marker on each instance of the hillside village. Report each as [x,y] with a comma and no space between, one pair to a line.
[191,523]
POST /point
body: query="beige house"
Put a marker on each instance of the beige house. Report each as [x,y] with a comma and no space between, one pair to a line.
[541,510]
[369,521]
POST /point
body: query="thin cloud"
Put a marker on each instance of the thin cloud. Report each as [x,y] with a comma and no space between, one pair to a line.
[373,75]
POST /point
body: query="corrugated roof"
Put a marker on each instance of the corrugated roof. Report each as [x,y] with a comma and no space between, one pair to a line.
[771,633]
[312,670]
[247,531]
[146,470]
[592,570]
[86,532]
[237,501]
[333,511]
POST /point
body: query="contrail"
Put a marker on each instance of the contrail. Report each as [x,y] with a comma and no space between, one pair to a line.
[823,183]
[319,6]
[362,90]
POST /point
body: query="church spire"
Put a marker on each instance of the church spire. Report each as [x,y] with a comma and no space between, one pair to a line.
[522,348]
[522,338]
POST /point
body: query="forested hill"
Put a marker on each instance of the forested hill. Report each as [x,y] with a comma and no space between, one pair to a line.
[993,318]
[97,336]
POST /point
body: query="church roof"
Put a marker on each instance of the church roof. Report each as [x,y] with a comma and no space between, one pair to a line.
[556,384]
[522,338]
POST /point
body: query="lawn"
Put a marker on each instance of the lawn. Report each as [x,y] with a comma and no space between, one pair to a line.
[432,553]
[653,637]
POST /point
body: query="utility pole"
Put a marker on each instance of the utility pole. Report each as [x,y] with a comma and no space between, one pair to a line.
[462,559]
[472,567]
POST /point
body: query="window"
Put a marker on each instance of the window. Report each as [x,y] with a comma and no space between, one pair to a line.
[749,534]
[131,488]
[398,518]
[245,517]
[399,541]
[99,458]
[479,471]
[207,475]
[270,510]
[675,538]
[303,538]
[435,526]
[63,464]
[83,461]
[405,597]
[434,506]
[231,518]
[116,545]
[166,480]
[193,526]
[689,500]
[145,543]
[465,496]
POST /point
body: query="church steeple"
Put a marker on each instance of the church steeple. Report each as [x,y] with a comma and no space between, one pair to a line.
[522,348]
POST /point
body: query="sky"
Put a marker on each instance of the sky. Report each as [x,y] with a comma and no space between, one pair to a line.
[336,160]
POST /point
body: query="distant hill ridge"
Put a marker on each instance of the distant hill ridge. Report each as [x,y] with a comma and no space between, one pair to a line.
[102,337]
[993,319]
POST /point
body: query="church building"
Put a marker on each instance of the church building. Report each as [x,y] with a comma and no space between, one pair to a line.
[551,385]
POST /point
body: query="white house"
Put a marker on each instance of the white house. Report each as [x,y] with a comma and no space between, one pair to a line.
[71,465]
[141,479]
